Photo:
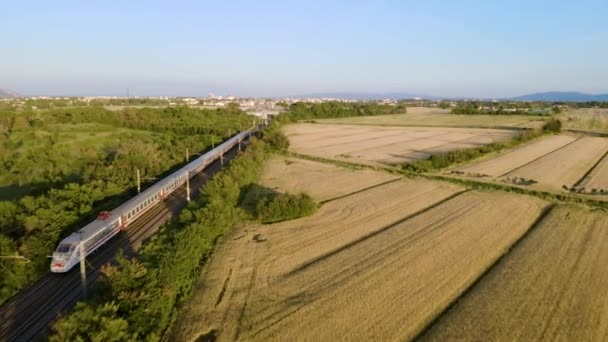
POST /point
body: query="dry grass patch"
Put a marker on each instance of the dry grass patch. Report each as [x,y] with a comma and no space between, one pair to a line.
[319,180]
[596,182]
[518,157]
[566,166]
[552,286]
[592,119]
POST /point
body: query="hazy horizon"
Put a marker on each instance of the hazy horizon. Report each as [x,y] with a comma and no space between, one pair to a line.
[469,49]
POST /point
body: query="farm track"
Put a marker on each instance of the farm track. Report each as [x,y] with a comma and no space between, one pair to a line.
[28,315]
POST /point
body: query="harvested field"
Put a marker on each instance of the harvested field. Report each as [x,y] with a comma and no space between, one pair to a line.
[596,182]
[552,286]
[363,267]
[386,145]
[565,166]
[590,119]
[441,118]
[518,157]
[319,180]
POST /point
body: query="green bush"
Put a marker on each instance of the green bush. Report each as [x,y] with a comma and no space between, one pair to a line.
[553,125]
[282,207]
[277,141]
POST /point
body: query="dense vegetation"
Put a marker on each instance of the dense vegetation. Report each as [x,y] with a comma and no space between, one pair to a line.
[282,207]
[309,111]
[138,297]
[552,125]
[62,166]
[475,108]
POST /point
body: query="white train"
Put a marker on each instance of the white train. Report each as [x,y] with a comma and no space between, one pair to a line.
[109,223]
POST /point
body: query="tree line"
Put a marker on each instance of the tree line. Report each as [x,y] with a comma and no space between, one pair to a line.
[309,111]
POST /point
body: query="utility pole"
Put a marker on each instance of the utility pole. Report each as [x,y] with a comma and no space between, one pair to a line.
[138,182]
[187,155]
[83,270]
[212,142]
[222,159]
[188,186]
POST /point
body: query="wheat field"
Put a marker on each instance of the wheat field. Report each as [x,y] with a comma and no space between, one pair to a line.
[551,287]
[373,276]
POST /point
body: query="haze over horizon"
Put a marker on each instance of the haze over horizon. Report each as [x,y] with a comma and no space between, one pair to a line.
[468,49]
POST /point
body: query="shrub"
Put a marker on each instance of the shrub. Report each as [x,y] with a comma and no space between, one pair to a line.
[282,207]
[553,125]
[276,140]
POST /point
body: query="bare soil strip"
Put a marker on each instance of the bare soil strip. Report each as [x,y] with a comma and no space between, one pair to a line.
[518,157]
[566,166]
[551,287]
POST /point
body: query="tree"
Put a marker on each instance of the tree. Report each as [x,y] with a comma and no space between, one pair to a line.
[92,323]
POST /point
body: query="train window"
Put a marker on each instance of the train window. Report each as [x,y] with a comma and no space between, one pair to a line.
[65,248]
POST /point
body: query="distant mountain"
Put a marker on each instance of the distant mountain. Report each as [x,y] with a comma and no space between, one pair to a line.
[7,94]
[367,96]
[565,96]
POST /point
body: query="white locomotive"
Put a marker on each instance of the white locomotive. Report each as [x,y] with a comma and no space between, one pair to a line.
[108,224]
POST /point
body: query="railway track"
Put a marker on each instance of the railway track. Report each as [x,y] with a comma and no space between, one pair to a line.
[29,314]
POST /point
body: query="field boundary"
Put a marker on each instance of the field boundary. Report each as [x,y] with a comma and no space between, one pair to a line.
[596,164]
[539,157]
[544,213]
[589,133]
[566,198]
[359,191]
[372,234]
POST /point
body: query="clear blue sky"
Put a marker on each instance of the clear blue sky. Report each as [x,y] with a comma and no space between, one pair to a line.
[274,48]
